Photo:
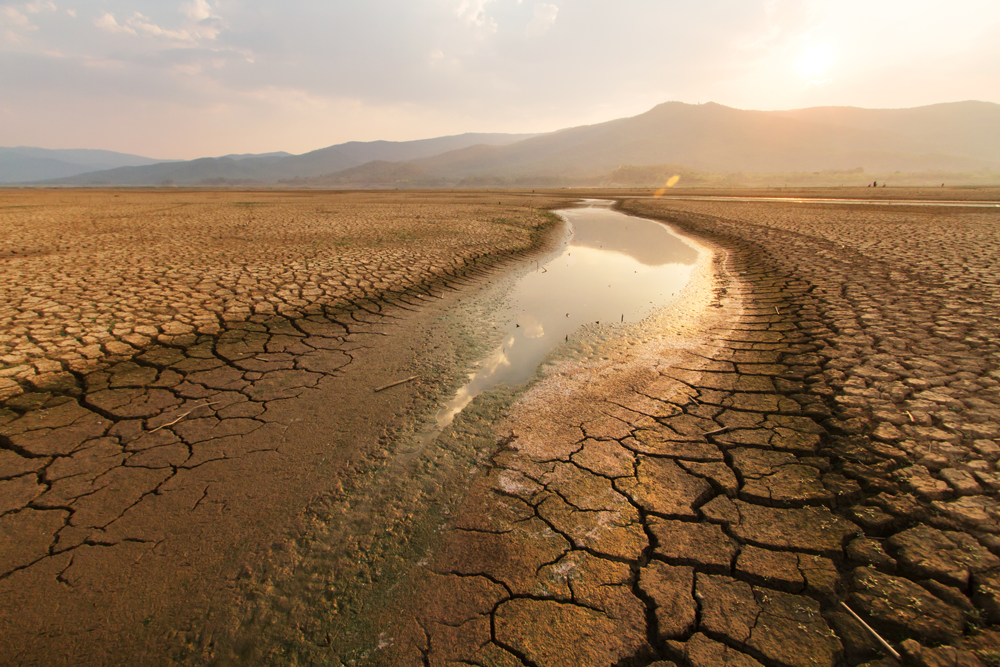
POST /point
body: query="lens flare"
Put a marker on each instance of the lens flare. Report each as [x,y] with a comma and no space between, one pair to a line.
[671,182]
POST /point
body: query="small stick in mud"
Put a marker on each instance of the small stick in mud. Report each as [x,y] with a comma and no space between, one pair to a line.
[876,635]
[718,430]
[205,405]
[396,383]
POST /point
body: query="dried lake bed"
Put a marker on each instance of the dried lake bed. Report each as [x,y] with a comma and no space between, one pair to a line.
[813,420]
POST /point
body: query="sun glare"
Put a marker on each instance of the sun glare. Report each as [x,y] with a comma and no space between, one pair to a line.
[814,62]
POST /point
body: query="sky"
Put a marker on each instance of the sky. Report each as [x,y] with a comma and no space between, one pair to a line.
[196,78]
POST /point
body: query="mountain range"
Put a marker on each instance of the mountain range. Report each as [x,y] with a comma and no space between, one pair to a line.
[273,167]
[24,164]
[952,137]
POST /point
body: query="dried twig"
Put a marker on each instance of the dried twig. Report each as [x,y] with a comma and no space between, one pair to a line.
[718,430]
[204,405]
[397,383]
[876,635]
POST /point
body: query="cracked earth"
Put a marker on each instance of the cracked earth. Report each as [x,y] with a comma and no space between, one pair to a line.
[816,424]
[826,433]
[183,371]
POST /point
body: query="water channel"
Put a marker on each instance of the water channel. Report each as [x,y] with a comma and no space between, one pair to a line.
[613,268]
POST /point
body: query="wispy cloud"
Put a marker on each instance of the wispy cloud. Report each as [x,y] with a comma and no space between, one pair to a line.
[13,17]
[14,20]
[198,10]
[545,17]
[473,12]
[147,27]
[200,23]
[110,24]
[38,6]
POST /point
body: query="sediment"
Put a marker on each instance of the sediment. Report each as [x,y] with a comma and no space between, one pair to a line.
[815,424]
[824,433]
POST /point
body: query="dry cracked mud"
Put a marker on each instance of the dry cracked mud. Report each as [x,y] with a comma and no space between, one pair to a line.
[184,371]
[825,432]
[816,423]
[90,277]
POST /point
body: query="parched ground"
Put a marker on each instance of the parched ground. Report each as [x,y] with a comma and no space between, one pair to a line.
[184,371]
[825,433]
[818,424]
[88,277]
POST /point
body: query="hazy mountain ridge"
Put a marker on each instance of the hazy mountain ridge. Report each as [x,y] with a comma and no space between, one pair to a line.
[26,163]
[959,137]
[711,137]
[375,174]
[275,167]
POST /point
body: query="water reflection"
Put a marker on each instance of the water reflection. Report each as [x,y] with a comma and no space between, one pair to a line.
[615,268]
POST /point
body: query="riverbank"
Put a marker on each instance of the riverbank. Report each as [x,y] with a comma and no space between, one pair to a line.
[828,436]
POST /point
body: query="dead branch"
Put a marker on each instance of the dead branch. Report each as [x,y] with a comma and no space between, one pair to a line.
[204,405]
[876,635]
[397,383]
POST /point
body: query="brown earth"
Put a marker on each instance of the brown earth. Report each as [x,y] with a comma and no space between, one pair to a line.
[970,193]
[817,422]
[826,431]
[91,276]
[185,372]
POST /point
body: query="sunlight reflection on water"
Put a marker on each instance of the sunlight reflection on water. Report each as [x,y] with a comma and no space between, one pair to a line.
[616,268]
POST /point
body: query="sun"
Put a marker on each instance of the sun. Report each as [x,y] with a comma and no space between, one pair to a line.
[814,61]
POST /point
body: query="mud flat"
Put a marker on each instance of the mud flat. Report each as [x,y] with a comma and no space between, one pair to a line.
[821,428]
[184,372]
[815,421]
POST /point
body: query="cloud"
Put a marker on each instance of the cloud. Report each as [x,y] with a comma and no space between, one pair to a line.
[108,23]
[473,12]
[198,10]
[38,6]
[201,24]
[11,16]
[144,25]
[14,18]
[545,16]
[207,24]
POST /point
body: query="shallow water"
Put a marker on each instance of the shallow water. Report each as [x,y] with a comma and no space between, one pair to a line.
[615,268]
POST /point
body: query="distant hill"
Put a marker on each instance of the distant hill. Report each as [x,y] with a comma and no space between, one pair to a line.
[709,142]
[272,168]
[962,136]
[22,163]
[245,156]
[375,174]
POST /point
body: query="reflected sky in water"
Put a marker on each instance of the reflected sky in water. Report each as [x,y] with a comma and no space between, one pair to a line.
[616,268]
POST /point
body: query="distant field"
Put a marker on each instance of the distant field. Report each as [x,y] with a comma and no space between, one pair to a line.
[92,275]
[879,193]
[88,276]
